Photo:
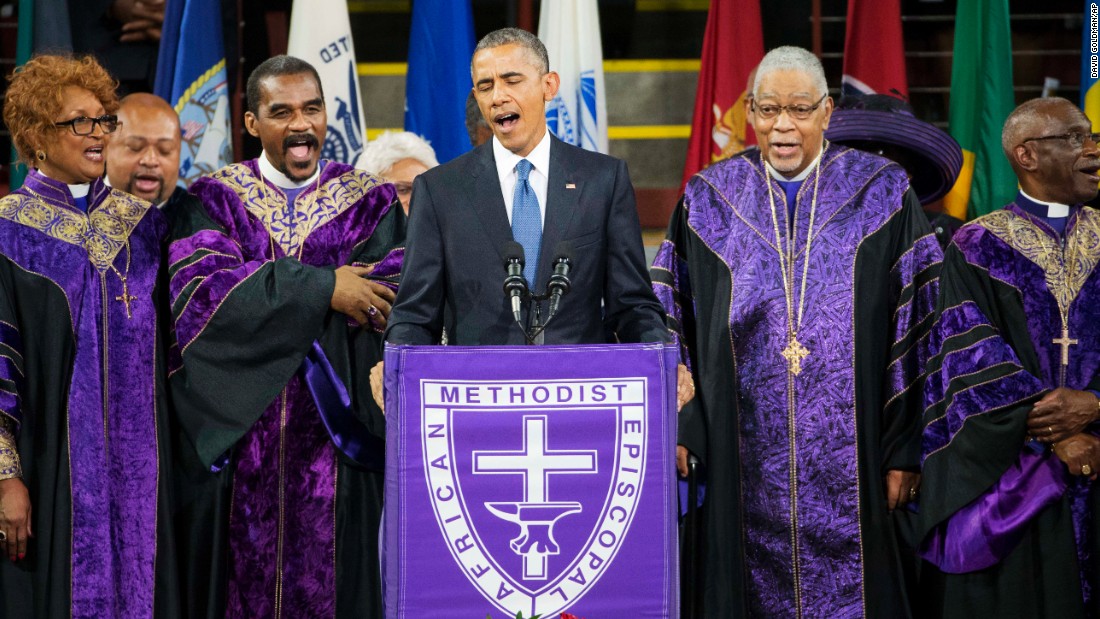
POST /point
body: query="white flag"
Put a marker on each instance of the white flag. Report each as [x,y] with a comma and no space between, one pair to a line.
[570,29]
[320,34]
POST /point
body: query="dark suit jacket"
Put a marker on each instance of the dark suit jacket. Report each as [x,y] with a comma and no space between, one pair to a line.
[454,268]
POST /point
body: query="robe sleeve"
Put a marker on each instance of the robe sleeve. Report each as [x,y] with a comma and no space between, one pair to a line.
[915,278]
[978,392]
[243,324]
[11,385]
[672,285]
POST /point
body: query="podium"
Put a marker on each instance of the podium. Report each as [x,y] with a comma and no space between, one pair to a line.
[531,479]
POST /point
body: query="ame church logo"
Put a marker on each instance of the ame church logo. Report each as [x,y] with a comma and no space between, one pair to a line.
[534,485]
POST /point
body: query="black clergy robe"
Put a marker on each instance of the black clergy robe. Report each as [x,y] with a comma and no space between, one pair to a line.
[1012,533]
[795,522]
[82,372]
[288,525]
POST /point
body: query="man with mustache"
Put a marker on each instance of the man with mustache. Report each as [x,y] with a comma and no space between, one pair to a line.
[143,155]
[799,279]
[1011,441]
[281,284]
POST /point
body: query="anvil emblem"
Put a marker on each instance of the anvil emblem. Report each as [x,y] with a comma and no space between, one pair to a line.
[535,514]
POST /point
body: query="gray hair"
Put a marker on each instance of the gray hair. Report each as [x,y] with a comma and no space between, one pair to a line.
[790,58]
[390,147]
[515,36]
[1027,120]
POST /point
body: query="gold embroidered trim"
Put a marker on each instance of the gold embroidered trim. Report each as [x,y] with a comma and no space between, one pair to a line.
[1063,280]
[290,230]
[102,233]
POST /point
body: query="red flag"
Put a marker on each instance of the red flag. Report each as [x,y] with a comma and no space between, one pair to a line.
[732,47]
[874,51]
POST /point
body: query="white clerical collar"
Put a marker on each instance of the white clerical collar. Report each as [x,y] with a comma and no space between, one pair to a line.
[801,176]
[279,179]
[539,157]
[76,191]
[1054,210]
[81,190]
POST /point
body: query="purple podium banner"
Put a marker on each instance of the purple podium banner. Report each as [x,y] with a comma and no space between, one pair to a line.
[535,480]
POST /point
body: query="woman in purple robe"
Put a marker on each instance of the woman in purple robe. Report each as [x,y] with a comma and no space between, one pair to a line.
[81,393]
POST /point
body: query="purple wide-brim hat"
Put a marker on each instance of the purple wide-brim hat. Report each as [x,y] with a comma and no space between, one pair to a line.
[936,157]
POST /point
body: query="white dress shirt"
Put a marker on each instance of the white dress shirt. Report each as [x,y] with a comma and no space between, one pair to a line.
[539,177]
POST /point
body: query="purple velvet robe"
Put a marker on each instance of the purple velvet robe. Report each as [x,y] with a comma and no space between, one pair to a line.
[795,518]
[251,283]
[81,383]
[1009,529]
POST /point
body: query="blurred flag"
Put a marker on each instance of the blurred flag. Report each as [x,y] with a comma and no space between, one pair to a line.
[191,76]
[1090,63]
[981,100]
[570,29]
[441,42]
[874,50]
[732,47]
[326,44]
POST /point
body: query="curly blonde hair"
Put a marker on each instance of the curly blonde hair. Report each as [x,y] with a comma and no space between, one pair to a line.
[36,94]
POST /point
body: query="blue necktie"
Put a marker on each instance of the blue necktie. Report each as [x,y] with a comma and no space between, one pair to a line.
[527,221]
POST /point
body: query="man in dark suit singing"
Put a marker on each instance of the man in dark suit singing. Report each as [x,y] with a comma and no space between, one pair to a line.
[525,186]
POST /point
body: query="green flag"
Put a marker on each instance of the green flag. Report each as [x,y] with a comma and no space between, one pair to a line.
[981,100]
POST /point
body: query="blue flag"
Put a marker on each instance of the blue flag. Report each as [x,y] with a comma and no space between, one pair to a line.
[438,80]
[191,76]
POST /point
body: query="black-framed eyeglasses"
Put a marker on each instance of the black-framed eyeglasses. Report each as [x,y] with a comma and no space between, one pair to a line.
[799,111]
[1076,139]
[82,125]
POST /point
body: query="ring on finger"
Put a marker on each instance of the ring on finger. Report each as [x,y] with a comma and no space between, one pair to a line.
[1050,431]
[373,311]
[1086,469]
[3,536]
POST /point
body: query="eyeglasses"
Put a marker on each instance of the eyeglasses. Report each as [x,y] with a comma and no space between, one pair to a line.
[82,125]
[1076,139]
[801,111]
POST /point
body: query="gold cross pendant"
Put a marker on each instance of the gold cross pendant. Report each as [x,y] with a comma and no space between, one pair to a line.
[794,353]
[1065,342]
[126,297]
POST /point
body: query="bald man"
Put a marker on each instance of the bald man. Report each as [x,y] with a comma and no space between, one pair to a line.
[143,155]
[1010,440]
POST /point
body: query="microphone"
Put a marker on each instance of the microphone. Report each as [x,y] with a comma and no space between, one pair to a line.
[558,285]
[515,285]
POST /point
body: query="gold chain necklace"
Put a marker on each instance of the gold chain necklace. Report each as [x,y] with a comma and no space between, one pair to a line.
[794,352]
[125,297]
[1064,301]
